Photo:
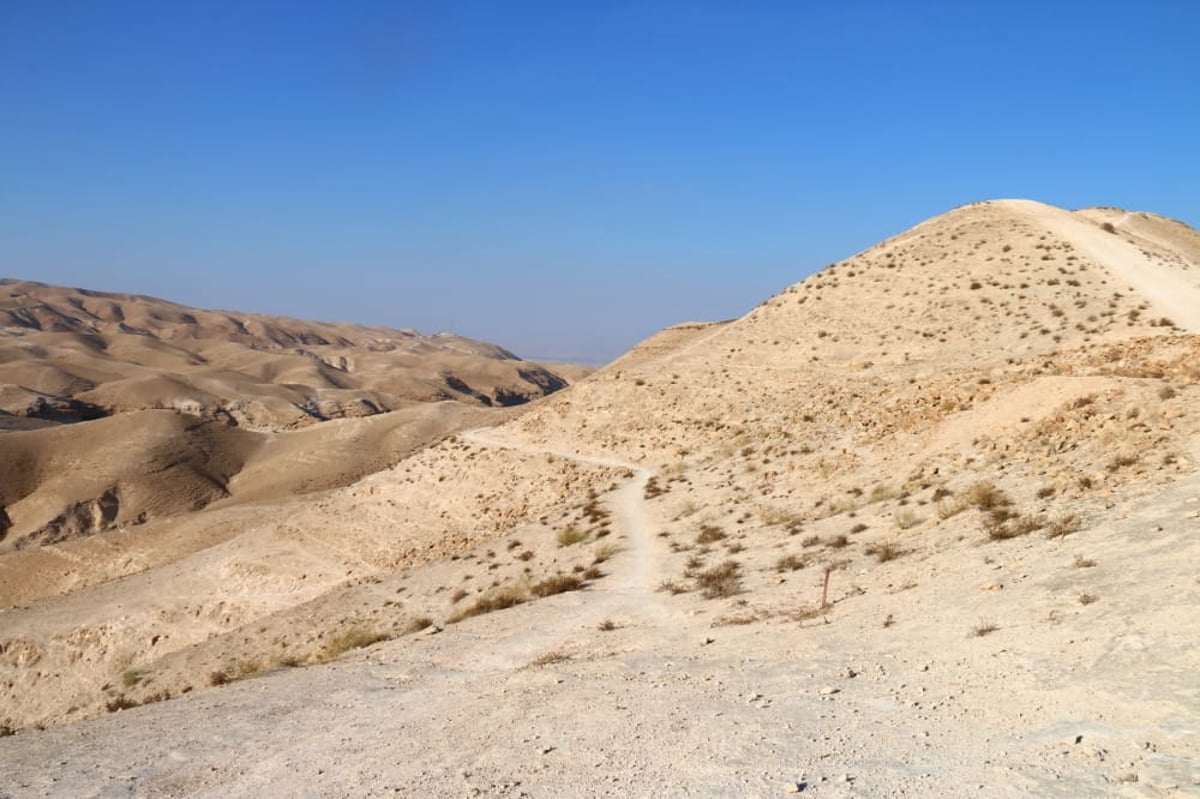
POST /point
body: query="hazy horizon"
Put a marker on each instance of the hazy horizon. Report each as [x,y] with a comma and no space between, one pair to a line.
[559,180]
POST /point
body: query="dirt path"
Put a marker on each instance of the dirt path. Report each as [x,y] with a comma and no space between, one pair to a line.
[1172,291]
[631,587]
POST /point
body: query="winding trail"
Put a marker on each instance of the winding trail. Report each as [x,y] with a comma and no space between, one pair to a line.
[639,559]
[628,592]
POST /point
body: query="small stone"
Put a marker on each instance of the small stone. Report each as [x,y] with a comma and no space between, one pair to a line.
[791,787]
[829,690]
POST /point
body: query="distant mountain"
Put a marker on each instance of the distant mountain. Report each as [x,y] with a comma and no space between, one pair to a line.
[70,354]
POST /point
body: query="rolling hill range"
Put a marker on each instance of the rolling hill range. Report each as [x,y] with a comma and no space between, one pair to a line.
[926,521]
[182,408]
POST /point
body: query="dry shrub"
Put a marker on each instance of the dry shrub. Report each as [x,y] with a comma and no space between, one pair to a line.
[354,638]
[983,628]
[550,658]
[557,584]
[1121,461]
[1004,523]
[790,563]
[418,624]
[709,534]
[885,551]
[720,581]
[734,620]
[604,552]
[571,535]
[505,598]
[120,703]
[985,496]
[1064,526]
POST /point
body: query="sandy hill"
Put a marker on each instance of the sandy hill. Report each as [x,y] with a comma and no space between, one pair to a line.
[922,524]
[71,353]
[126,408]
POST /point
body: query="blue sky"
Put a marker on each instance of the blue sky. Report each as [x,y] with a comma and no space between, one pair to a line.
[562,178]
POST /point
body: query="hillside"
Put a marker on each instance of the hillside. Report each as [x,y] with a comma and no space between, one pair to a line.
[926,520]
[182,407]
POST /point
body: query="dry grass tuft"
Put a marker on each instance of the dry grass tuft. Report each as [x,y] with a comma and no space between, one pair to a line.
[569,536]
[558,584]
[983,628]
[550,658]
[1064,526]
[720,581]
[340,644]
[418,624]
[885,551]
[505,598]
[790,563]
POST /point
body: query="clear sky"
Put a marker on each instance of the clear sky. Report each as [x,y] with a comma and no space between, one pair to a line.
[562,178]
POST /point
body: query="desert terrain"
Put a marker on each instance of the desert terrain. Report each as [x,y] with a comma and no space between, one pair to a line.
[924,523]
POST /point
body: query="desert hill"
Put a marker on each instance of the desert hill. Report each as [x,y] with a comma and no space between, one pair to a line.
[182,407]
[81,352]
[922,523]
